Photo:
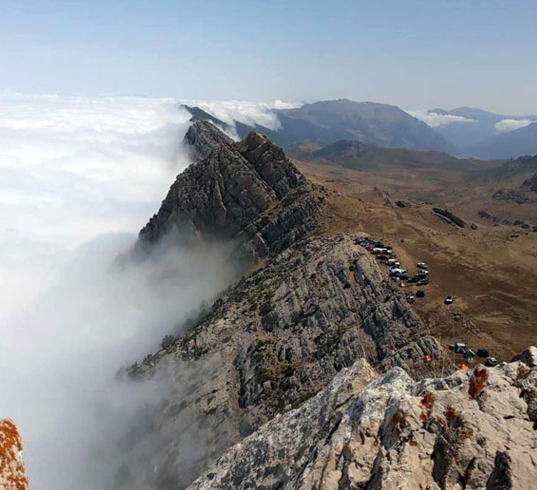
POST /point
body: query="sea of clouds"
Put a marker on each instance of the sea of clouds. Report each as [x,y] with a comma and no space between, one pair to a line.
[79,177]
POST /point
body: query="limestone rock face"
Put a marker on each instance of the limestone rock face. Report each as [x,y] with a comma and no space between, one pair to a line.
[12,470]
[366,431]
[276,339]
[247,191]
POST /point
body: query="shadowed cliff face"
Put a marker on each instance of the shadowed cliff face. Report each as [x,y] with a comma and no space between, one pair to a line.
[228,193]
[12,470]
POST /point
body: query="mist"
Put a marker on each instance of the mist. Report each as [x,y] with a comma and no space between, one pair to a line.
[80,177]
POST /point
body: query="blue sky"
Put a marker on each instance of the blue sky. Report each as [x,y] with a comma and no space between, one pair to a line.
[416,54]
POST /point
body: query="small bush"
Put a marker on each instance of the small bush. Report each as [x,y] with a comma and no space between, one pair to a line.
[427,404]
[477,382]
[167,341]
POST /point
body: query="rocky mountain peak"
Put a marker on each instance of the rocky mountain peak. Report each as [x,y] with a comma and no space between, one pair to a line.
[203,138]
[12,471]
[230,188]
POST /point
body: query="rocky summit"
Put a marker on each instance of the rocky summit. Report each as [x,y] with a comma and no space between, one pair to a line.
[311,372]
[247,191]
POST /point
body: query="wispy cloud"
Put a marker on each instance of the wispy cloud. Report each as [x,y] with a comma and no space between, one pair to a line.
[508,125]
[246,112]
[435,120]
[80,176]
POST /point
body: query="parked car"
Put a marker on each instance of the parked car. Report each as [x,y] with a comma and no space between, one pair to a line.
[420,293]
[422,265]
[383,257]
[449,300]
[491,362]
[413,279]
[484,353]
[423,282]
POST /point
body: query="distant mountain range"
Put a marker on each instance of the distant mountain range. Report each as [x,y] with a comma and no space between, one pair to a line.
[358,156]
[464,131]
[326,122]
[488,135]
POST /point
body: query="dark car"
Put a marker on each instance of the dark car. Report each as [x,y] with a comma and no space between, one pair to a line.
[491,362]
[420,293]
[484,353]
[413,279]
[423,282]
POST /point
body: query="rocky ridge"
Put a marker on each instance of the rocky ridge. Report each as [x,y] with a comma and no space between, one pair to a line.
[283,332]
[12,471]
[470,430]
[247,191]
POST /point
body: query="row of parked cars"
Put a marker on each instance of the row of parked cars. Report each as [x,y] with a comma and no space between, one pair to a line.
[385,255]
[469,355]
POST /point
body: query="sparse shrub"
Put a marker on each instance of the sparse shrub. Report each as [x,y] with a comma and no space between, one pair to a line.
[167,341]
[427,404]
[265,308]
[477,382]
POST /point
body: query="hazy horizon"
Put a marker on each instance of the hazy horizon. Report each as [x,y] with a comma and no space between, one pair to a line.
[410,54]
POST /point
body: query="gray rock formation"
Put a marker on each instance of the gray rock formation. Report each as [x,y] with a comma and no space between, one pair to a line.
[530,185]
[470,430]
[276,339]
[524,194]
[248,191]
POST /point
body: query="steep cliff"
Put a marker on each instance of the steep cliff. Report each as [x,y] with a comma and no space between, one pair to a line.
[12,470]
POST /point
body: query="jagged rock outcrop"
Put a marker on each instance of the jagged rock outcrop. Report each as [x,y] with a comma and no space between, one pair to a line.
[530,185]
[277,338]
[470,430]
[523,195]
[248,191]
[12,471]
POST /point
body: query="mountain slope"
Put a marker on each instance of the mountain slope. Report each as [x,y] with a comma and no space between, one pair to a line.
[519,142]
[278,336]
[358,156]
[369,122]
[478,130]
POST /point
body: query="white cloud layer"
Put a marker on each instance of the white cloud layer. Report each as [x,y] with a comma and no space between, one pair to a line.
[435,120]
[250,113]
[508,125]
[79,177]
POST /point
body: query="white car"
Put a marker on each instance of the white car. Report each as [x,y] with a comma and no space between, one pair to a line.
[422,265]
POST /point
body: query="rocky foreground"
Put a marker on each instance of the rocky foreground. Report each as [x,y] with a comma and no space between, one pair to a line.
[470,430]
[12,470]
[309,372]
